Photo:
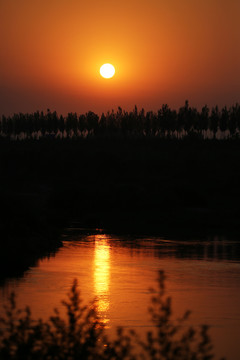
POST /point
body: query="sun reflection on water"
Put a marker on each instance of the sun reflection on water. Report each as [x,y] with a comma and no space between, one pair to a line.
[102,276]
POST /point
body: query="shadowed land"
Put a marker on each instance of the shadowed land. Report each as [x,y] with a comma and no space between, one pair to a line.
[123,184]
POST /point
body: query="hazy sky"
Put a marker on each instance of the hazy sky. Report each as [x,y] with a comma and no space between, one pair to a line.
[163,51]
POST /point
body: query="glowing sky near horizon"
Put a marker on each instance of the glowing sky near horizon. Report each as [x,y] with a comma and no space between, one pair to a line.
[163,52]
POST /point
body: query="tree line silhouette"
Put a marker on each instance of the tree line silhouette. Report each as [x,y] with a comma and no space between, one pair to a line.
[165,123]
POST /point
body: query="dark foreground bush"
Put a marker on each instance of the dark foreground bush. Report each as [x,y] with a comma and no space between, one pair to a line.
[82,335]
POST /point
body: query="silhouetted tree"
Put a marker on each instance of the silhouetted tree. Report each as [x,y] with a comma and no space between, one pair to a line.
[214,120]
[92,122]
[224,119]
[204,119]
[233,120]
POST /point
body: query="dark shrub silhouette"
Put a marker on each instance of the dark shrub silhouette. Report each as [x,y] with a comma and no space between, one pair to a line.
[80,334]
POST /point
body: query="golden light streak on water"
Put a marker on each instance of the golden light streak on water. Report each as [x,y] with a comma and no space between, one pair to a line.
[102,276]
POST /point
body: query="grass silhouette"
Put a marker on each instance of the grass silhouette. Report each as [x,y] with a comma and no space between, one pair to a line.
[81,335]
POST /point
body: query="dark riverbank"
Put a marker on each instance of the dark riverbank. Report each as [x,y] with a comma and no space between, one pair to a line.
[122,185]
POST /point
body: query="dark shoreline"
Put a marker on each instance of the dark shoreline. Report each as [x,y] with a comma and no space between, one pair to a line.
[140,186]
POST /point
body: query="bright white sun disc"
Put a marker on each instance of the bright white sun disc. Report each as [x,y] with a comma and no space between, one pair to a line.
[107,71]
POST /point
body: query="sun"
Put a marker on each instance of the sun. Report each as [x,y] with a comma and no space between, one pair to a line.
[107,71]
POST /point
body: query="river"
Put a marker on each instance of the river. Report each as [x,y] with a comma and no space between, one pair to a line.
[203,275]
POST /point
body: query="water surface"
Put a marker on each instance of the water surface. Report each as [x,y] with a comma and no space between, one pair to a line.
[202,275]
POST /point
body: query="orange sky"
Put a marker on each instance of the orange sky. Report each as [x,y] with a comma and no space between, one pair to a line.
[163,51]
